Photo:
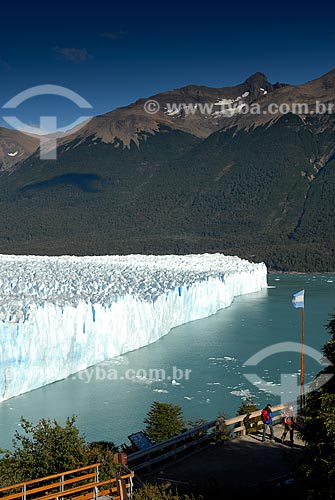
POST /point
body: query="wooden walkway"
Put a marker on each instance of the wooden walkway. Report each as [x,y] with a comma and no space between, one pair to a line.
[77,484]
[241,462]
[202,459]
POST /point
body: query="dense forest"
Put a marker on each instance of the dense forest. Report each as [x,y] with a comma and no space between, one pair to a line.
[264,193]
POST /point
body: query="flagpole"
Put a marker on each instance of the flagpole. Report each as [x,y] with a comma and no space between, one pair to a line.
[302,372]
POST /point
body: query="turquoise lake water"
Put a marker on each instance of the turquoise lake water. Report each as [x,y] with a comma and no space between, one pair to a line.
[111,400]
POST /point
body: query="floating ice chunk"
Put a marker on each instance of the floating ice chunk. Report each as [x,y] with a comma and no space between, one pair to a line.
[243,393]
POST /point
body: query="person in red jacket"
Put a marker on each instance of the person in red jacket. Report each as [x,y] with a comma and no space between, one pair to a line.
[266,416]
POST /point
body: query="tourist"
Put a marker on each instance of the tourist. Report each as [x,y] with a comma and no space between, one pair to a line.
[288,422]
[266,416]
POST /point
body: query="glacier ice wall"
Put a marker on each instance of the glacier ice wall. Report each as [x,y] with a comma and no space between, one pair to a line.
[60,315]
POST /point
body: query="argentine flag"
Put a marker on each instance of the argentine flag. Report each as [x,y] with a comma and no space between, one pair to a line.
[298,299]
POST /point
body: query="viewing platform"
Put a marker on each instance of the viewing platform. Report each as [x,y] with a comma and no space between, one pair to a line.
[222,453]
[218,456]
[241,462]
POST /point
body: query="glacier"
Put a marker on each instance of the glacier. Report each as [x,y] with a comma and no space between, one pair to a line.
[60,315]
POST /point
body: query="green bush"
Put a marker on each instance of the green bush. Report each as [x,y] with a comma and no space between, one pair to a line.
[48,448]
[163,421]
[317,473]
[152,492]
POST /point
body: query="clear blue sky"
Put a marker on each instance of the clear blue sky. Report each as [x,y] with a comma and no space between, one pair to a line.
[113,53]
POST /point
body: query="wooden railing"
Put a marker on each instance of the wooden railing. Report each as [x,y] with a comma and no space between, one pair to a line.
[241,419]
[172,447]
[68,485]
[192,439]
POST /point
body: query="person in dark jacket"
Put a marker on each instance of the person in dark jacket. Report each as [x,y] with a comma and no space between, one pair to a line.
[267,416]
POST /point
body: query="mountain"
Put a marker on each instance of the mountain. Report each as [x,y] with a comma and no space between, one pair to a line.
[127,123]
[15,147]
[260,186]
